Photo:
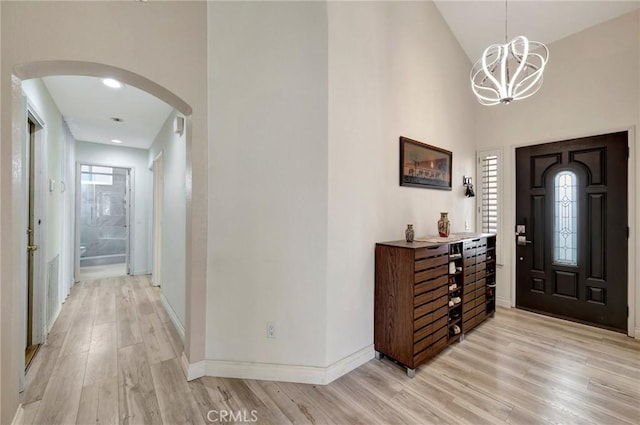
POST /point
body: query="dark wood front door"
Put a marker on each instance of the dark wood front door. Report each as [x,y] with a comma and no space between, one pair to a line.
[571,232]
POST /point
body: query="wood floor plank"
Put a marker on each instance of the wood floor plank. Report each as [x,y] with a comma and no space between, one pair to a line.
[156,340]
[106,308]
[29,414]
[303,404]
[102,363]
[174,338]
[99,403]
[40,371]
[137,397]
[59,404]
[177,405]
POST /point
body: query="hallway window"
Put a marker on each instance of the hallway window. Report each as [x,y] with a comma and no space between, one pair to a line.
[92,174]
[565,218]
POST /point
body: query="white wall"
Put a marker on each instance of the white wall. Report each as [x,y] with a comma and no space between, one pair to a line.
[172,146]
[591,86]
[138,161]
[395,70]
[268,182]
[67,265]
[305,167]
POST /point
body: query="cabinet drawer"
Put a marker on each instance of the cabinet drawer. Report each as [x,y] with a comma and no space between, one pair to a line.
[469,262]
[431,274]
[469,289]
[481,298]
[430,307]
[469,324]
[426,297]
[431,251]
[469,244]
[469,268]
[423,321]
[468,306]
[480,309]
[481,316]
[430,285]
[429,340]
[430,351]
[481,258]
[422,333]
[480,274]
[429,263]
[470,279]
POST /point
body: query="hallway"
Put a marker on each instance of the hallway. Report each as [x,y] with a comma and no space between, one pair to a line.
[113,357]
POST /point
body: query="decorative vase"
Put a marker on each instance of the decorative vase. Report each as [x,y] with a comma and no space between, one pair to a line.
[443,225]
[409,233]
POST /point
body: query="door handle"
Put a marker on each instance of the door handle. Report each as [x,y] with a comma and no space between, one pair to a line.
[522,240]
[32,248]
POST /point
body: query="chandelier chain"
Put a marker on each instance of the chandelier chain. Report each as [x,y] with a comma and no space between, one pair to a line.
[506,14]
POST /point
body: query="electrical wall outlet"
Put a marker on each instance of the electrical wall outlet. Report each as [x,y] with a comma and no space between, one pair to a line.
[271,329]
[466,225]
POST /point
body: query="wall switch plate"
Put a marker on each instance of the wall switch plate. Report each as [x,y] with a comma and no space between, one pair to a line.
[271,329]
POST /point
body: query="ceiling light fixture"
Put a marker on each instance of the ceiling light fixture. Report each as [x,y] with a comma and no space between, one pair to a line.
[116,141]
[509,71]
[110,82]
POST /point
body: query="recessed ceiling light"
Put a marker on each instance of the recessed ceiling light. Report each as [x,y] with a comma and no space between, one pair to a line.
[116,119]
[116,141]
[110,82]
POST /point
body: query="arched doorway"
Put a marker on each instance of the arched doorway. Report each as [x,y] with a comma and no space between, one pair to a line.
[13,240]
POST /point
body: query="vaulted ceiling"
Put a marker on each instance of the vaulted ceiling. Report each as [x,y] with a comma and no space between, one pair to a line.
[89,107]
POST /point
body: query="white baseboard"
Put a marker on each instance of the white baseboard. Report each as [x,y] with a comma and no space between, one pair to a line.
[503,302]
[349,363]
[18,418]
[288,373]
[172,315]
[637,335]
[192,371]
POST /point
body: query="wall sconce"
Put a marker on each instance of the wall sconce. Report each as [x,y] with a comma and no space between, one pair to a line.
[468,191]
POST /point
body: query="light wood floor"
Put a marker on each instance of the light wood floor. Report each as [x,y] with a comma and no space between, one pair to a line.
[112,357]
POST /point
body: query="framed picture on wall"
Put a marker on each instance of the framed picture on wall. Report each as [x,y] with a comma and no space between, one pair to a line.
[425,166]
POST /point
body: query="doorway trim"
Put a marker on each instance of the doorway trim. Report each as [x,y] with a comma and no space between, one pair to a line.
[130,213]
[40,295]
[633,268]
[157,170]
[197,205]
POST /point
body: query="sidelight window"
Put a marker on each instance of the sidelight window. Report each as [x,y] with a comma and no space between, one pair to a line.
[565,218]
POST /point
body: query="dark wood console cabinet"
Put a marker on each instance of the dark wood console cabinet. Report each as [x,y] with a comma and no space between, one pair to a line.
[427,295]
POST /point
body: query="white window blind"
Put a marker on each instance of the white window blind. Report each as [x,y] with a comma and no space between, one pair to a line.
[489,211]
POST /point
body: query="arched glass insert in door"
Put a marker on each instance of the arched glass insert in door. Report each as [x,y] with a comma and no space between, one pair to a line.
[565,218]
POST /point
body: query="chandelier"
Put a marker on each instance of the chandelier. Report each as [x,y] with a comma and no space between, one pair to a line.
[510,71]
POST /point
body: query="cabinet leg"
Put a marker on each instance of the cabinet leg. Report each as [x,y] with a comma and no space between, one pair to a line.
[411,373]
[379,355]
[461,337]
